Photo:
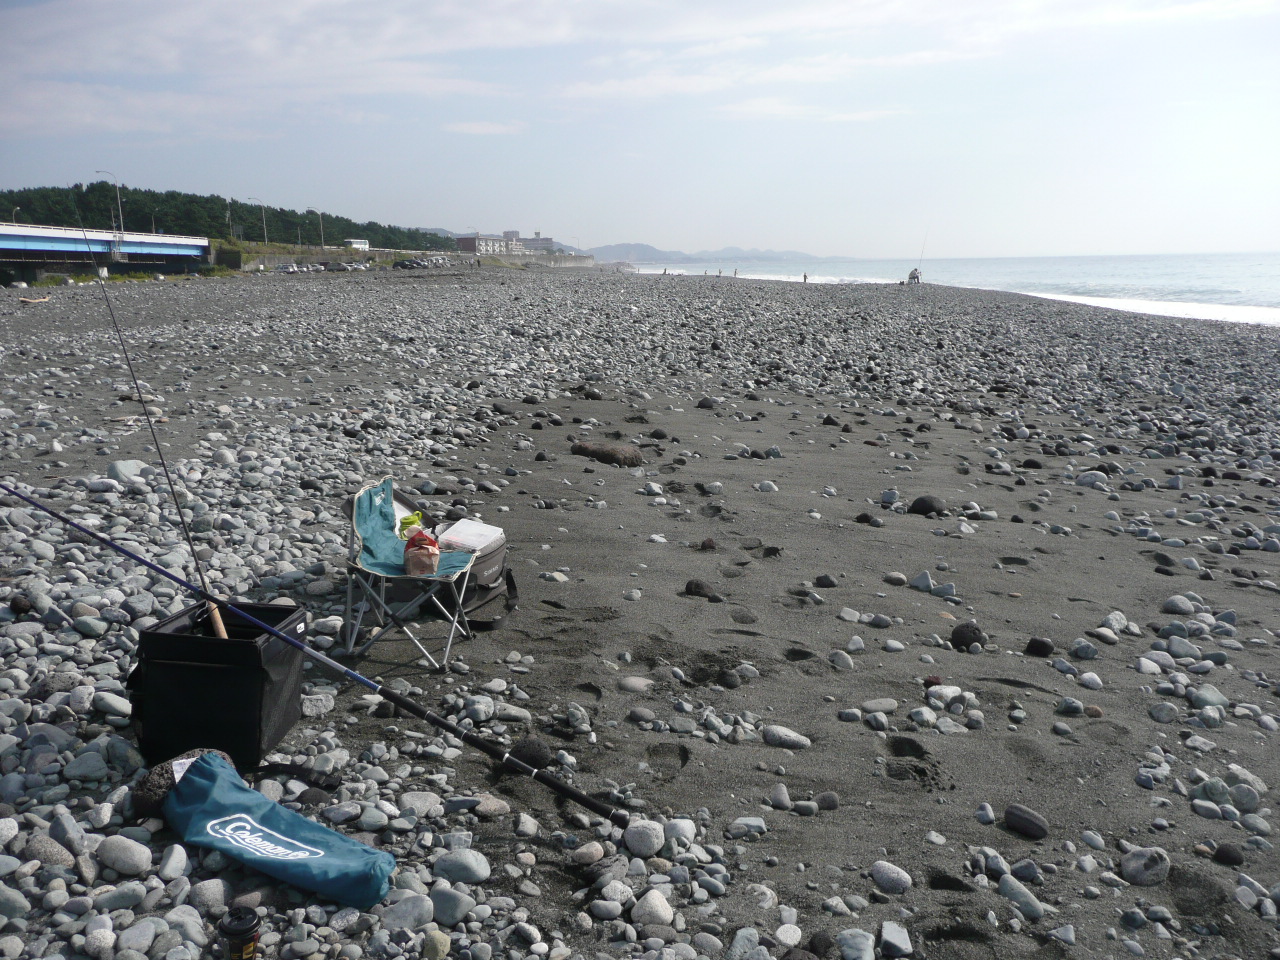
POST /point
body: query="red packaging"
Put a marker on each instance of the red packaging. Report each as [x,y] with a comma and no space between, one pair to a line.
[421,555]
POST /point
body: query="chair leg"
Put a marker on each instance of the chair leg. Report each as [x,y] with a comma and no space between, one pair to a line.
[396,620]
[356,609]
[458,619]
[389,616]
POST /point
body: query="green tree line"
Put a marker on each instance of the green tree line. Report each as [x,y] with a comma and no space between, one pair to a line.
[94,206]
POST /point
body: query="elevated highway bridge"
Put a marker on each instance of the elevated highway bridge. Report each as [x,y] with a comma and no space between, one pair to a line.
[28,251]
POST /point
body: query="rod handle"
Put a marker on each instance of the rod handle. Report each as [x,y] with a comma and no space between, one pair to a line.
[215,617]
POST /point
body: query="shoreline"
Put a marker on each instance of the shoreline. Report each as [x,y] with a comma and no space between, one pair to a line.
[1178,281]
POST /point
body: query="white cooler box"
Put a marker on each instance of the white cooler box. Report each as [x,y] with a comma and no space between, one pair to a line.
[488,573]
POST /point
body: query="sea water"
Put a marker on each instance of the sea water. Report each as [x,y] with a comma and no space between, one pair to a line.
[1242,287]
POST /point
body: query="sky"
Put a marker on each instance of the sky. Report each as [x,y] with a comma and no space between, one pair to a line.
[861,128]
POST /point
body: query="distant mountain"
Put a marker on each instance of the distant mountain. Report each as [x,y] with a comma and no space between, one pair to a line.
[644,253]
[438,231]
[737,253]
[637,253]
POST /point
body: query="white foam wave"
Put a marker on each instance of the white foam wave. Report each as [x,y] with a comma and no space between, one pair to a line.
[1233,313]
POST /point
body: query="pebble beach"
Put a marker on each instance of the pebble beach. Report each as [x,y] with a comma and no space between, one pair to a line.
[905,621]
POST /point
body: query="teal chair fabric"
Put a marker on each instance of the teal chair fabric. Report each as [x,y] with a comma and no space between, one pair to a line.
[381,549]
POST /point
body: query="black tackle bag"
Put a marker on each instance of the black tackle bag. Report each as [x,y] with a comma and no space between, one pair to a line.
[193,689]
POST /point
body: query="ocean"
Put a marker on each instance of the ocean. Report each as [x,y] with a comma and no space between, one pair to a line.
[1241,287]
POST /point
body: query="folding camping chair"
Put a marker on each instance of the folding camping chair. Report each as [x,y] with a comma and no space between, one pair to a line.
[375,561]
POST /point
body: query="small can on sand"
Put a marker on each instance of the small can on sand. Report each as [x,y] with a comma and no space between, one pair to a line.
[240,927]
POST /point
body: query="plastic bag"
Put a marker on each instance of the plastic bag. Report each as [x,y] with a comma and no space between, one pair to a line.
[421,555]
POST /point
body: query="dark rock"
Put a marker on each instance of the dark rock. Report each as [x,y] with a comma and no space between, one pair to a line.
[314,797]
[1229,855]
[1024,820]
[149,795]
[533,752]
[601,872]
[822,943]
[60,682]
[923,506]
[706,403]
[607,451]
[729,679]
[964,635]
[1039,647]
[828,800]
[700,588]
[48,851]
[826,581]
[707,545]
[20,606]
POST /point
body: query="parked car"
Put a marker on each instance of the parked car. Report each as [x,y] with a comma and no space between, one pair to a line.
[287,268]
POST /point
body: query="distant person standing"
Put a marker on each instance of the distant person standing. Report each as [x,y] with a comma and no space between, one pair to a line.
[914,275]
[806,278]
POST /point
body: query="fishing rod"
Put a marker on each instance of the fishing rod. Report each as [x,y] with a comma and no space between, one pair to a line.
[215,617]
[922,246]
[510,761]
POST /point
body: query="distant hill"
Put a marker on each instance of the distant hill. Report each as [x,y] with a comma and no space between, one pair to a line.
[644,253]
[637,252]
[737,253]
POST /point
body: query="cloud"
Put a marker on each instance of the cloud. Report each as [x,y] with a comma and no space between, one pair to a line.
[779,108]
[156,65]
[485,128]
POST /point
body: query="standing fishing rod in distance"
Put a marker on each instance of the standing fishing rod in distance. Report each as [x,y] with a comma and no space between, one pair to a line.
[214,616]
[510,760]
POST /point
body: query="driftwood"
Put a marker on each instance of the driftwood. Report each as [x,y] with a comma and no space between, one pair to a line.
[33,299]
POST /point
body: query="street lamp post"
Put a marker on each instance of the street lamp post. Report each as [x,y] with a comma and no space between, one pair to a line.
[14,216]
[119,207]
[264,217]
[321,216]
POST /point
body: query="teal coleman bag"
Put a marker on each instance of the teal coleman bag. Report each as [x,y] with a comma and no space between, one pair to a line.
[212,807]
